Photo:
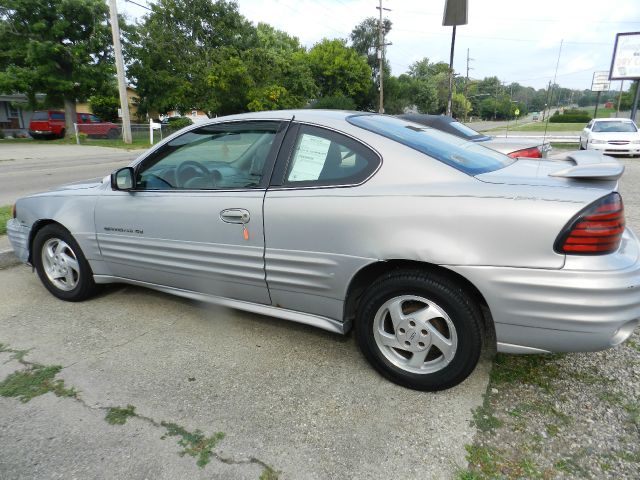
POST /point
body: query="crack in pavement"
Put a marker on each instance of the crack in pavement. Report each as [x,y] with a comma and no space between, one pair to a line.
[18,355]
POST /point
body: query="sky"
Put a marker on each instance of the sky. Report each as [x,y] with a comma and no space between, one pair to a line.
[516,41]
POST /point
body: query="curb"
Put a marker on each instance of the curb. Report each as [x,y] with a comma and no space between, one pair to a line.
[8,259]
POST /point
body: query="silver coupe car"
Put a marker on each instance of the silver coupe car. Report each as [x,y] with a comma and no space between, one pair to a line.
[419,240]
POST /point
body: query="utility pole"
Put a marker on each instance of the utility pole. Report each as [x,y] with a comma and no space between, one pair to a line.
[381,46]
[619,99]
[122,86]
[466,82]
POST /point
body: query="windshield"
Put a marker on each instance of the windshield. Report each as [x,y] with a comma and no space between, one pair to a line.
[460,154]
[40,116]
[614,127]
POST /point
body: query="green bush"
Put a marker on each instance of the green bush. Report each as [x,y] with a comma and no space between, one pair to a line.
[335,103]
[105,107]
[570,118]
[180,122]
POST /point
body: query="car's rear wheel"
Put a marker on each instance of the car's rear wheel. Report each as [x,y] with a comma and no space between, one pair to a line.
[419,330]
[63,132]
[61,265]
[113,133]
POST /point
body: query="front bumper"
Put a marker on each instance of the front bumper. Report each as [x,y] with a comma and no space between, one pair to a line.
[630,149]
[591,304]
[19,237]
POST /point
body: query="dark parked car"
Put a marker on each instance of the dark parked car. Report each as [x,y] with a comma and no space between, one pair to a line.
[512,147]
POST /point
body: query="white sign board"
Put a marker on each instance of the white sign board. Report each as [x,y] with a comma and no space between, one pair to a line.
[600,82]
[625,64]
[309,158]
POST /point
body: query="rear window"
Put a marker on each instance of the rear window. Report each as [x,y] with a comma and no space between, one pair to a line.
[39,116]
[456,152]
[614,127]
[57,116]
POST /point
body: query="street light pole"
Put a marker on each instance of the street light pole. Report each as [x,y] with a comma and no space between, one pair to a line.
[455,13]
[122,86]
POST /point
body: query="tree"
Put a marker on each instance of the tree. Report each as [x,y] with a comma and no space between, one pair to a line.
[340,71]
[59,48]
[273,75]
[364,40]
[172,52]
[105,106]
[460,106]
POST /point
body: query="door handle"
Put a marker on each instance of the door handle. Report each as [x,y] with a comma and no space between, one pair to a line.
[235,215]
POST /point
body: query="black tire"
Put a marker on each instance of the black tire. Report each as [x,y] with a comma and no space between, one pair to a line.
[63,132]
[445,296]
[81,286]
[113,133]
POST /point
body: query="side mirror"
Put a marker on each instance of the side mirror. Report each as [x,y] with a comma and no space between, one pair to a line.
[123,179]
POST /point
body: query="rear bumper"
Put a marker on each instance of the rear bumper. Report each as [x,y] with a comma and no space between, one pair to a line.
[42,133]
[19,238]
[593,307]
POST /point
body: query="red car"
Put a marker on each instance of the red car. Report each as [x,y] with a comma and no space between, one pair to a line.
[51,124]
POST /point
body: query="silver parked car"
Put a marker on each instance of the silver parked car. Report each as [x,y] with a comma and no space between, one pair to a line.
[419,240]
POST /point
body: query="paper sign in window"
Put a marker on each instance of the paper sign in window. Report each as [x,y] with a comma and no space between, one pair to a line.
[309,158]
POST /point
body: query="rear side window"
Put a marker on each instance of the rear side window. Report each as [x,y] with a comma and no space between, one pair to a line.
[39,116]
[456,152]
[57,116]
[324,158]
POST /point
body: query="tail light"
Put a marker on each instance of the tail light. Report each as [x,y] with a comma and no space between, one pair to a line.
[596,230]
[533,152]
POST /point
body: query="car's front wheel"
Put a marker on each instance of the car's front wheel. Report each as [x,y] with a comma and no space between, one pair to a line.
[61,265]
[419,330]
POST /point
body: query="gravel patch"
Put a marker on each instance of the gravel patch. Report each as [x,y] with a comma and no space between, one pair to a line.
[564,416]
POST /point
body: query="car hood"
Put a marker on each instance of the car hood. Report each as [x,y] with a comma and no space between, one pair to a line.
[539,173]
[82,184]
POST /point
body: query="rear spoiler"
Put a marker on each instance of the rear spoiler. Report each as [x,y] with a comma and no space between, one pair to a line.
[590,165]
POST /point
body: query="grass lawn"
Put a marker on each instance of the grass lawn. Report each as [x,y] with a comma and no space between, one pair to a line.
[5,215]
[97,142]
[565,145]
[539,127]
[602,112]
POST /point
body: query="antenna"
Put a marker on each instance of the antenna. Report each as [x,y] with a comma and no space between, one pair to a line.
[555,75]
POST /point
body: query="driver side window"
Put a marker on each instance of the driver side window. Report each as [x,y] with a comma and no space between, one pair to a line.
[215,157]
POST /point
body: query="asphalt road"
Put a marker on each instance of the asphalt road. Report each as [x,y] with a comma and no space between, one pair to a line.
[30,168]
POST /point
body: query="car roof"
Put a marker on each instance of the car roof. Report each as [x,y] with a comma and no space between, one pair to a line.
[307,115]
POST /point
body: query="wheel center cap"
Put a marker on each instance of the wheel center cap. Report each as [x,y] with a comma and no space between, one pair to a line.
[413,335]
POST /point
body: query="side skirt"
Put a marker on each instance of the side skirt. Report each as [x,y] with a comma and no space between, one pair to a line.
[318,321]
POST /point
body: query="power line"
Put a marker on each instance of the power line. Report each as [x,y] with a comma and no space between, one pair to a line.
[139,5]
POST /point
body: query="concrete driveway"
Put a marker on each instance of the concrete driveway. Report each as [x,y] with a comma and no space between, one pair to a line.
[34,167]
[292,402]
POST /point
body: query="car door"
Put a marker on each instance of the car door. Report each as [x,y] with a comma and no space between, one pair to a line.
[194,218]
[313,211]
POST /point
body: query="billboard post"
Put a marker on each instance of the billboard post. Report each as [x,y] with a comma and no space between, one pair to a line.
[600,83]
[625,62]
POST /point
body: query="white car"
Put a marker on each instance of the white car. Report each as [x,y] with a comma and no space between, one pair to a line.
[611,136]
